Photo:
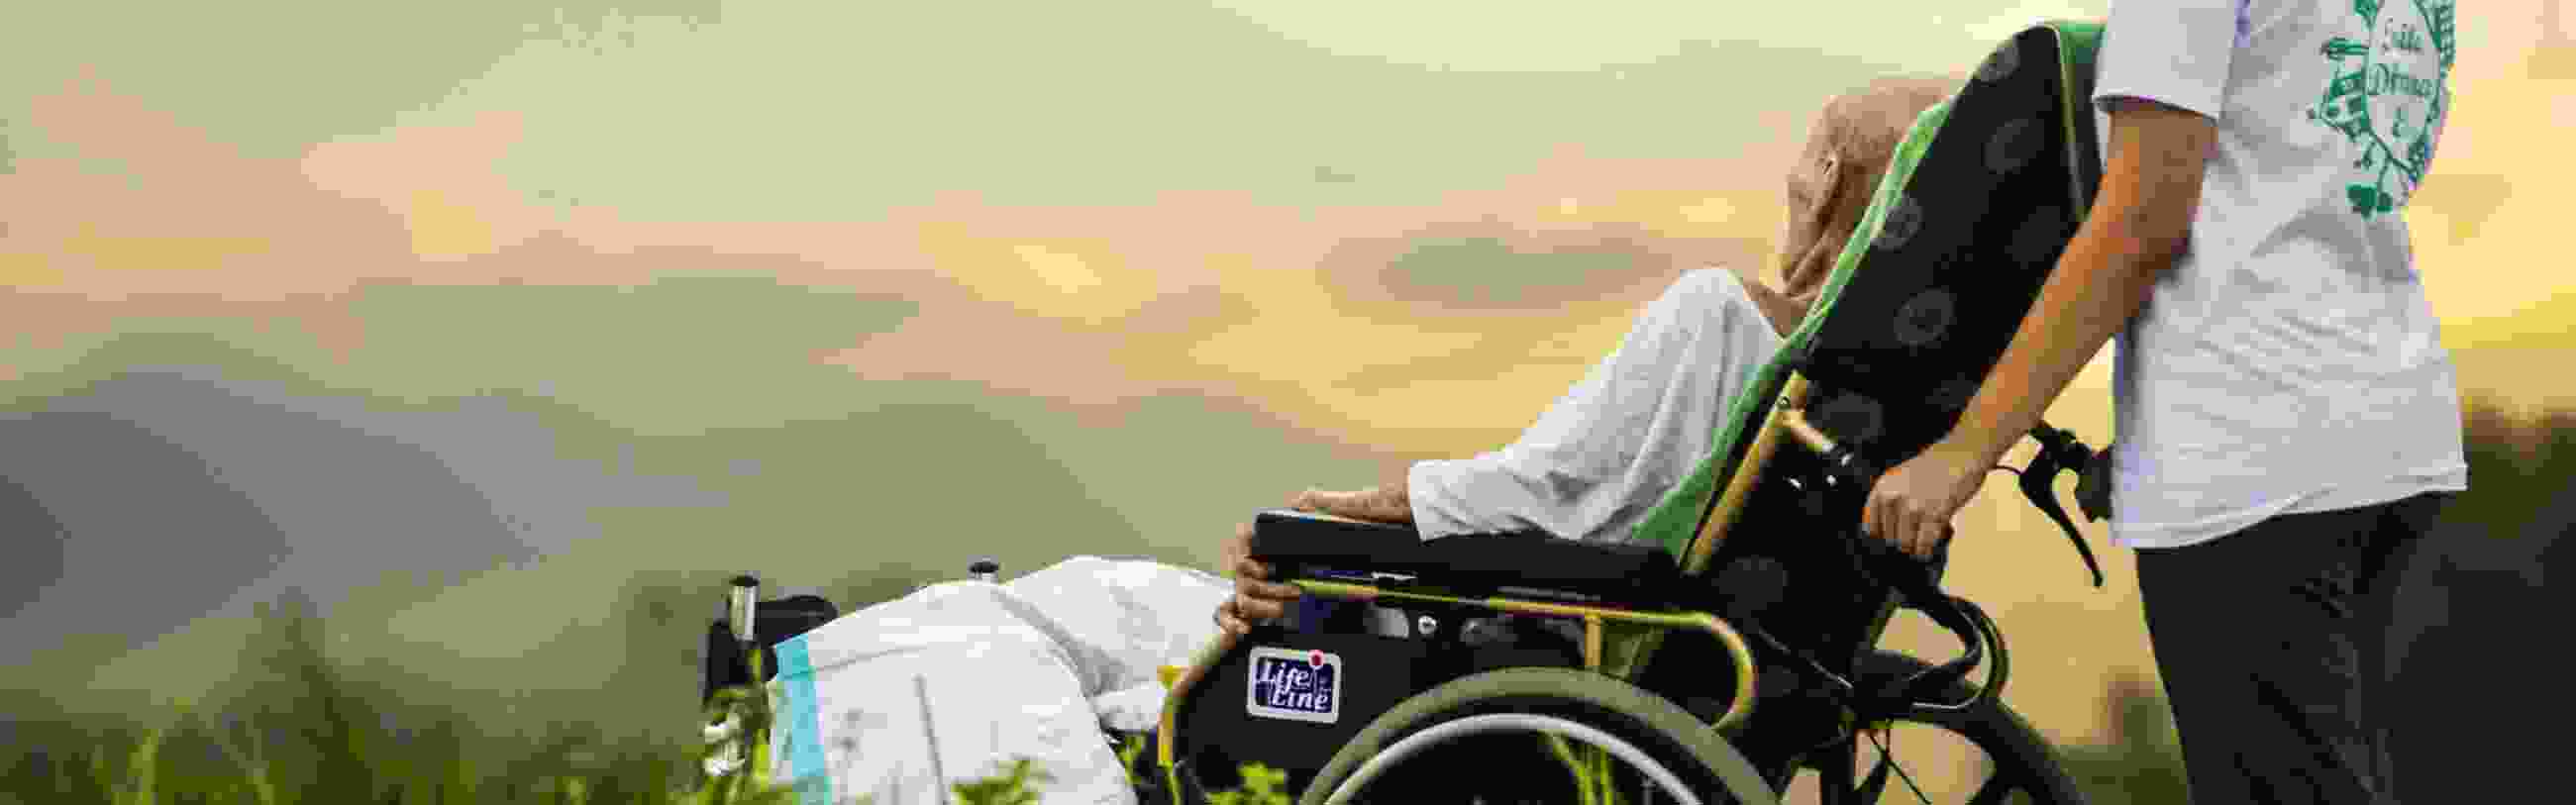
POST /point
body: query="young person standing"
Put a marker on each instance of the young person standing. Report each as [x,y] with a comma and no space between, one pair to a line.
[2288,420]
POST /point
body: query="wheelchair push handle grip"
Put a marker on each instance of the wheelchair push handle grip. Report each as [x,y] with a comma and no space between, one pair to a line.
[742,601]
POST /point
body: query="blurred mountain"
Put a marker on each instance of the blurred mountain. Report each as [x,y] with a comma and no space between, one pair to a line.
[468,542]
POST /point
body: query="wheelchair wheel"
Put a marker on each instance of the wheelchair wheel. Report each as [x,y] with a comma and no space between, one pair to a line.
[2005,760]
[1484,738]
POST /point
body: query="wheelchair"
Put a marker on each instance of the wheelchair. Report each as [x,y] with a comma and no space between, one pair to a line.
[1730,643]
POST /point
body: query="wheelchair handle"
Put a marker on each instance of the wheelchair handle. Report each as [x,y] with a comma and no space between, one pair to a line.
[1841,462]
[743,599]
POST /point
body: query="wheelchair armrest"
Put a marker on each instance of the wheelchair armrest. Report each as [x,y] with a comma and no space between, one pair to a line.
[1528,559]
[1308,538]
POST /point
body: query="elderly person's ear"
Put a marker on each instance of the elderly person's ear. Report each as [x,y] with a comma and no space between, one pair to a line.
[1847,153]
[1818,187]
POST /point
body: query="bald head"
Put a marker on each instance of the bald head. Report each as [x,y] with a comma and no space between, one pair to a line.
[1848,150]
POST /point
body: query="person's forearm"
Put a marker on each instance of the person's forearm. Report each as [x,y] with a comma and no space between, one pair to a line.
[1384,503]
[1395,498]
[2139,224]
[2099,284]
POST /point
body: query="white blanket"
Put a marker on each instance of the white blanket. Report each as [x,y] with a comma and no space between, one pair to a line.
[1035,667]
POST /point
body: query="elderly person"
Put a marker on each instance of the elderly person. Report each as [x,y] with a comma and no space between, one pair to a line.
[1034,667]
[1607,452]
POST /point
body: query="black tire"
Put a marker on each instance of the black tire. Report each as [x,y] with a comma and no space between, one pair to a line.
[1703,761]
[2019,758]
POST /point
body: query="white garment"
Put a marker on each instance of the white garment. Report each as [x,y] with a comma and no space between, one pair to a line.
[1599,460]
[1034,668]
[2289,362]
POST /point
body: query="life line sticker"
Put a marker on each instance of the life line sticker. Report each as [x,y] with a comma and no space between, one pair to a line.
[1294,684]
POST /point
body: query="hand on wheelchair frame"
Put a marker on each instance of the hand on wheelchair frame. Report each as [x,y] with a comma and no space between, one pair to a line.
[1256,597]
[1259,597]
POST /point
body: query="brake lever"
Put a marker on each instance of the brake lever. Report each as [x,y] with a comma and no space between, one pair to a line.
[2093,486]
[2058,452]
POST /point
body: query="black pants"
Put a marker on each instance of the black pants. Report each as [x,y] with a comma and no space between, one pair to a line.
[2273,642]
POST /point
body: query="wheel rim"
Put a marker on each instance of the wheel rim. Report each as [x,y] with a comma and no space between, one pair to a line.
[1491,723]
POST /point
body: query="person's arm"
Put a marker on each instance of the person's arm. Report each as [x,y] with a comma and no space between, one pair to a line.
[2139,225]
[1385,503]
[2175,53]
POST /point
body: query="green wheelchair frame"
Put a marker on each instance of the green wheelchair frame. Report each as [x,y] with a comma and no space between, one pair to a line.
[1694,521]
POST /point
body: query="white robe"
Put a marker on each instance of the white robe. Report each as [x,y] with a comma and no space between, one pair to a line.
[1600,459]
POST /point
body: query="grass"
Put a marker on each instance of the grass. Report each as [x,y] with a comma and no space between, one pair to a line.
[314,733]
[155,765]
[332,745]
[322,736]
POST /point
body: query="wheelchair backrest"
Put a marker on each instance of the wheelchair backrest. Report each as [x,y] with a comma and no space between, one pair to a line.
[1982,196]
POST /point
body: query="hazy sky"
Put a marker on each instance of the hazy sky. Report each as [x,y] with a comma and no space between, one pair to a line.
[1165,261]
[832,111]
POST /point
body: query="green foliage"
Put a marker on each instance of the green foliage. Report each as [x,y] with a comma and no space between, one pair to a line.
[1594,784]
[305,731]
[1128,752]
[1262,785]
[2142,764]
[1012,787]
[2518,463]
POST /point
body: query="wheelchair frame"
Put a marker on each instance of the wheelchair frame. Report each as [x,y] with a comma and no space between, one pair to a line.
[1617,639]
[1786,420]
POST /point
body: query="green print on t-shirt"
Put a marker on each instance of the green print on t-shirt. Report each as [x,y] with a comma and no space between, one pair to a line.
[2388,96]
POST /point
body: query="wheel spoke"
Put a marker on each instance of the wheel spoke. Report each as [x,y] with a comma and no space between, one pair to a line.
[1888,756]
[1993,791]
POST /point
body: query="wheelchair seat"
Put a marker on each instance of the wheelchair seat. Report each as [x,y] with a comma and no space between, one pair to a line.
[1523,562]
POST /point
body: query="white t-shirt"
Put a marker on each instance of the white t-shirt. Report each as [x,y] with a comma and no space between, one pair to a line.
[2289,362]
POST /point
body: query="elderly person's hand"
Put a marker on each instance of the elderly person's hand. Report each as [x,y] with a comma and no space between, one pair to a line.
[1257,598]
[1391,503]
